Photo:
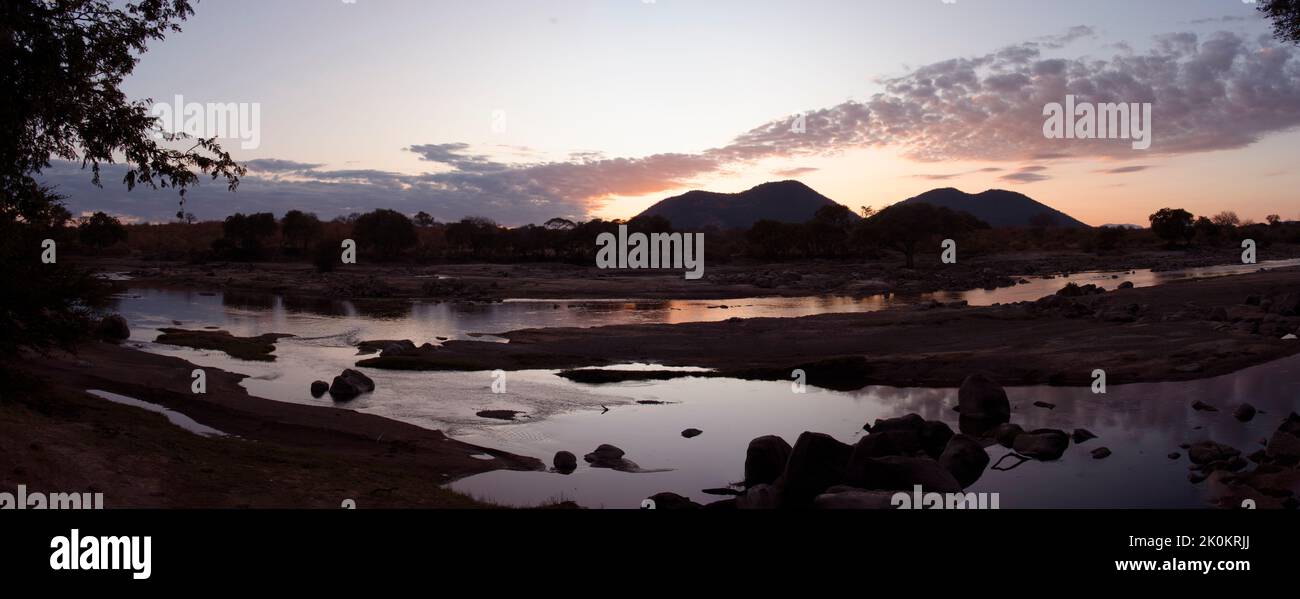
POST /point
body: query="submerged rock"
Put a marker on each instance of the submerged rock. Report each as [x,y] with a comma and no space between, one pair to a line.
[1101,453]
[1042,444]
[1081,434]
[1244,412]
[608,456]
[319,388]
[691,433]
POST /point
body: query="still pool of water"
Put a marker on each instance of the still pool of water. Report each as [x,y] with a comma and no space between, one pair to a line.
[1139,423]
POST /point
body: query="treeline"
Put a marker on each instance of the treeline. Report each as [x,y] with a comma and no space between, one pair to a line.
[833,233]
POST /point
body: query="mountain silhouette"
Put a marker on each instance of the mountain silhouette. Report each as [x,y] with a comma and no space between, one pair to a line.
[997,207]
[784,201]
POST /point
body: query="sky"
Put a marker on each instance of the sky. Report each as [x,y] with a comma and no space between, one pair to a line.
[523,110]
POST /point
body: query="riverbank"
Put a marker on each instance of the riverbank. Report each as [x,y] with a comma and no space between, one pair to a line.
[1178,331]
[377,286]
[277,455]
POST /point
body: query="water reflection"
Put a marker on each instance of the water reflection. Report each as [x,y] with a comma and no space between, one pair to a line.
[1139,423]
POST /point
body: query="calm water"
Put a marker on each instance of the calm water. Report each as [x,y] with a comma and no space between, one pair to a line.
[1139,423]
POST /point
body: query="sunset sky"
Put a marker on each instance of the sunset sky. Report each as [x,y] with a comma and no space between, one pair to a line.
[523,110]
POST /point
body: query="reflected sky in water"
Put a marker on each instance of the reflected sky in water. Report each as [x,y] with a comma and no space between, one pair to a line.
[1139,423]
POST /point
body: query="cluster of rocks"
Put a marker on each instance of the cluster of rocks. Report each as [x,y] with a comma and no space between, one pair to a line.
[1276,315]
[346,386]
[897,454]
[1272,483]
[462,289]
[368,287]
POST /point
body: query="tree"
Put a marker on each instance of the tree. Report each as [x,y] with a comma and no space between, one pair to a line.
[1273,220]
[101,230]
[300,228]
[560,224]
[61,67]
[1226,219]
[423,219]
[1172,224]
[1285,15]
[904,226]
[387,232]
[243,235]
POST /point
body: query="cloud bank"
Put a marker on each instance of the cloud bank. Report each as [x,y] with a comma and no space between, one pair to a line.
[1217,92]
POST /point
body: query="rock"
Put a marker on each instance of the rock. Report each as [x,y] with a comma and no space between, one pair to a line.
[608,456]
[673,501]
[849,498]
[1042,444]
[906,435]
[319,388]
[965,458]
[1006,433]
[1201,406]
[816,462]
[1044,404]
[897,473]
[760,497]
[1081,434]
[398,348]
[1101,453]
[1206,452]
[350,384]
[1284,446]
[981,401]
[1289,336]
[565,462]
[691,433]
[1244,412]
[1126,285]
[1173,455]
[498,414]
[765,460]
[113,328]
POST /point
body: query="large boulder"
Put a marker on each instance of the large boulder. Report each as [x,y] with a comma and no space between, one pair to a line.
[898,473]
[765,460]
[982,403]
[113,328]
[907,435]
[350,384]
[965,458]
[1042,444]
[816,462]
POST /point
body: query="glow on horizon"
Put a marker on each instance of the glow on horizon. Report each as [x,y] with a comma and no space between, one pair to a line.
[349,86]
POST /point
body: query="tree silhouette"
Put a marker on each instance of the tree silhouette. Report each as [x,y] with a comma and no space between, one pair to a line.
[387,232]
[1285,15]
[101,231]
[1172,224]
